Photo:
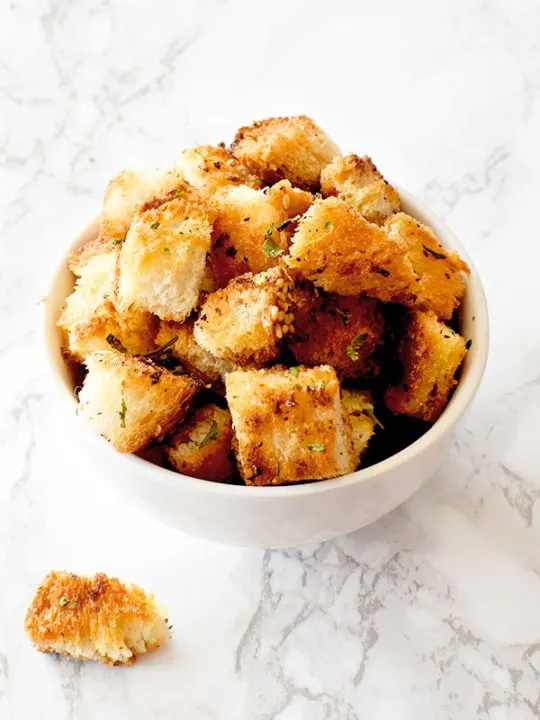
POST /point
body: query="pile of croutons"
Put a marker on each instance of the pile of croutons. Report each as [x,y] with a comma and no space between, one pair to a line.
[236,314]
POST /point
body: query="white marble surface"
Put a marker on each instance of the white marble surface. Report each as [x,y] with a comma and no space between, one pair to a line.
[433,612]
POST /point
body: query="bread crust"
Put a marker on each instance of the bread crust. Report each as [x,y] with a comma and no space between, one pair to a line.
[285,148]
[440,272]
[245,322]
[357,180]
[431,354]
[201,447]
[96,618]
[131,401]
[289,426]
[246,221]
[342,331]
[162,261]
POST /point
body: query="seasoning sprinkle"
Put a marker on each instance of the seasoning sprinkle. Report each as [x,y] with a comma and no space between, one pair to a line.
[212,434]
[122,413]
[316,447]
[436,255]
[356,343]
[154,226]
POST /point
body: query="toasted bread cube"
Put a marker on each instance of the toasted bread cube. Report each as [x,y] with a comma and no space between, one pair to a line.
[79,258]
[126,193]
[340,331]
[245,322]
[358,407]
[162,260]
[340,251]
[431,354]
[201,447]
[210,168]
[131,401]
[197,361]
[247,234]
[285,148]
[357,180]
[97,618]
[289,425]
[441,282]
[90,316]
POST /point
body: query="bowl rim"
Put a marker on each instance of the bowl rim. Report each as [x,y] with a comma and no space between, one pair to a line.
[459,402]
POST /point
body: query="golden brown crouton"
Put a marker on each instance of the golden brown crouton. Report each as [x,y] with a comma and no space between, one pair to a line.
[291,148]
[441,282]
[336,330]
[253,228]
[90,316]
[126,193]
[289,425]
[163,257]
[131,401]
[79,258]
[210,168]
[340,251]
[358,406]
[96,618]
[197,361]
[245,321]
[357,180]
[201,447]
[431,354]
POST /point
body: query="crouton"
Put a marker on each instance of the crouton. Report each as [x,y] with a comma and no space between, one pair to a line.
[440,273]
[131,401]
[337,249]
[126,193]
[253,228]
[79,258]
[357,180]
[336,330]
[431,354]
[96,618]
[90,316]
[210,168]
[196,360]
[285,148]
[358,407]
[162,260]
[289,425]
[244,322]
[201,447]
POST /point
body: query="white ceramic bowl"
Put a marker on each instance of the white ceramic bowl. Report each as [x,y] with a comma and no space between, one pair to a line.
[291,515]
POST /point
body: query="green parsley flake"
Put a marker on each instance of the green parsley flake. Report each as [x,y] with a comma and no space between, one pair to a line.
[260,278]
[63,602]
[294,371]
[271,248]
[329,225]
[154,226]
[167,251]
[122,413]
[369,412]
[177,193]
[116,241]
[212,434]
[317,447]
[356,343]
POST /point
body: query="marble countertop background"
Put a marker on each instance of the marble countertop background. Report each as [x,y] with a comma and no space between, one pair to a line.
[433,612]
